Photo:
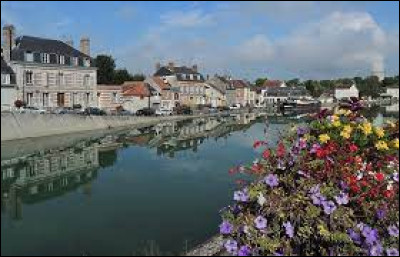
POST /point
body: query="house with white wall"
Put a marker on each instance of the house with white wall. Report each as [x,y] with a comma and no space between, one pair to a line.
[393,92]
[8,86]
[346,91]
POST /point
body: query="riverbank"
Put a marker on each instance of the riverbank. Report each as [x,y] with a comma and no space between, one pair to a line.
[25,126]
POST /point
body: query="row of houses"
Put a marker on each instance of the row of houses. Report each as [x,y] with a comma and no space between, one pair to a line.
[47,73]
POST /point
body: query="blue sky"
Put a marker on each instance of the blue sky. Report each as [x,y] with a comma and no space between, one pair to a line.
[243,39]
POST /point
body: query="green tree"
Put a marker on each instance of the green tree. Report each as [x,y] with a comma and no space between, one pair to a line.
[260,81]
[138,77]
[293,82]
[105,69]
[120,76]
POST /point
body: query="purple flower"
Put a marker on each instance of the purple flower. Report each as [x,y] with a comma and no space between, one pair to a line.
[261,223]
[318,199]
[244,251]
[342,198]
[289,229]
[396,177]
[354,236]
[271,180]
[371,235]
[393,231]
[241,196]
[226,228]
[380,214]
[376,250]
[329,207]
[315,148]
[343,185]
[392,252]
[315,189]
[231,247]
[301,131]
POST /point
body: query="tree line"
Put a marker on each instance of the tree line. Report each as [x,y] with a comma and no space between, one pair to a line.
[369,86]
[107,74]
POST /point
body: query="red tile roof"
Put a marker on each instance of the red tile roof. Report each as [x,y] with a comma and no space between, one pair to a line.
[272,83]
[160,82]
[135,88]
[239,84]
[109,87]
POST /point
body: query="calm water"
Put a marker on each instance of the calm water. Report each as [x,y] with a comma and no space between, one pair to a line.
[116,194]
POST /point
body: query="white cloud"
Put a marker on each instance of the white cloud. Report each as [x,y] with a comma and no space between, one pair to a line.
[195,18]
[257,49]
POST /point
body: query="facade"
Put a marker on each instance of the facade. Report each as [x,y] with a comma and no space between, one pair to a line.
[8,86]
[187,82]
[137,95]
[241,92]
[276,95]
[344,91]
[393,91]
[109,97]
[169,96]
[51,73]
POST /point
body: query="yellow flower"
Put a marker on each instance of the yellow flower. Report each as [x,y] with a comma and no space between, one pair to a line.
[381,146]
[366,128]
[324,138]
[347,129]
[395,143]
[348,113]
[391,123]
[341,112]
[336,123]
[379,132]
[345,134]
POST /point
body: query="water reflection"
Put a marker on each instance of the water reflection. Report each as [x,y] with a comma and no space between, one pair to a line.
[48,174]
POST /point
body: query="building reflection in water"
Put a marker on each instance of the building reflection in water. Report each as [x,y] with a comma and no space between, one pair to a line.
[49,174]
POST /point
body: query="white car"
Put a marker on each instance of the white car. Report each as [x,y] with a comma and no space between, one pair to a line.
[235,107]
[34,110]
[163,112]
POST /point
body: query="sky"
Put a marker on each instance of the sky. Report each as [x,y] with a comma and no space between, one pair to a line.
[278,40]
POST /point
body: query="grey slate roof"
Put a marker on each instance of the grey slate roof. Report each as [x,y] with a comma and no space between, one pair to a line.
[179,71]
[42,45]
[5,69]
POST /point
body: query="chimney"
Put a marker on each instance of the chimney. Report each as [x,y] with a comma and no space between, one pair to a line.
[158,66]
[85,45]
[9,41]
[194,67]
[171,65]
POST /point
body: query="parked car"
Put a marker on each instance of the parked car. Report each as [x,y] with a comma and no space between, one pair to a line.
[164,112]
[31,109]
[94,111]
[234,107]
[146,112]
[124,113]
[183,110]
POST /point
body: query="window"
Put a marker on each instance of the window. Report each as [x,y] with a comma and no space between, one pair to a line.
[61,59]
[86,80]
[75,61]
[115,97]
[61,81]
[29,77]
[187,76]
[86,62]
[5,79]
[29,57]
[45,58]
[45,99]
[191,76]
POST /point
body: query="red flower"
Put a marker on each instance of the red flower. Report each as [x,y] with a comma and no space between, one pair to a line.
[374,192]
[281,151]
[355,189]
[257,144]
[380,176]
[256,168]
[232,171]
[388,193]
[266,154]
[353,148]
[321,153]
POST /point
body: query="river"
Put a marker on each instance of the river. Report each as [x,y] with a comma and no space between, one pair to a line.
[154,191]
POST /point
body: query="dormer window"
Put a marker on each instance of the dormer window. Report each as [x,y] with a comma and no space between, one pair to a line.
[75,61]
[29,56]
[86,62]
[45,58]
[191,76]
[61,59]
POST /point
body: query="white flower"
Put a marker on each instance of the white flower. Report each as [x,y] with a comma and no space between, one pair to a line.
[261,200]
[389,186]
[360,176]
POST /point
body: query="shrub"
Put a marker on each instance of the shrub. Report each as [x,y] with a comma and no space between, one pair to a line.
[330,188]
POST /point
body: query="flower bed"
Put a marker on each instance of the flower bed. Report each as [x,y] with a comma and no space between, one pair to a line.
[330,188]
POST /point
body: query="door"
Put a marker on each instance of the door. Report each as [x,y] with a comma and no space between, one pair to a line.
[60,99]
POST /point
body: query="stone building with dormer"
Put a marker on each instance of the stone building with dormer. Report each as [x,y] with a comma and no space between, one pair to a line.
[50,73]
